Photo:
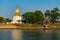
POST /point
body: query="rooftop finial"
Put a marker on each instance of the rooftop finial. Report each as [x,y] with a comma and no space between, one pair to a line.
[17,11]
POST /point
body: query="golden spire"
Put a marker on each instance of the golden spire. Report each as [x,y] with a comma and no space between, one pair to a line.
[17,11]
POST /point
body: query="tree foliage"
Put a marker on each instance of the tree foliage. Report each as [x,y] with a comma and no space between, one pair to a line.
[28,17]
[53,15]
[4,20]
[1,19]
[7,20]
[33,17]
[37,16]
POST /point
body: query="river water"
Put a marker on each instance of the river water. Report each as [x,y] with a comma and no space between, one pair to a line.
[17,34]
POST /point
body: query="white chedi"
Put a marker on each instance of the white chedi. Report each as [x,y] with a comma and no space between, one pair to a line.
[17,18]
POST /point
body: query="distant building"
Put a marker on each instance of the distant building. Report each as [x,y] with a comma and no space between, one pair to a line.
[17,17]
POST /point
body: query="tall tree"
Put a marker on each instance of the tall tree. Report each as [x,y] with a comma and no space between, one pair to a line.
[39,16]
[33,17]
[47,14]
[53,15]
[28,17]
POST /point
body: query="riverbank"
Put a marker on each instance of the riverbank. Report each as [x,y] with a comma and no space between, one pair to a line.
[37,26]
[28,26]
[19,26]
[3,26]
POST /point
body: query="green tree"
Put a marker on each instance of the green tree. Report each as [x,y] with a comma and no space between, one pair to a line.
[7,20]
[39,17]
[1,19]
[47,14]
[33,17]
[28,17]
[53,15]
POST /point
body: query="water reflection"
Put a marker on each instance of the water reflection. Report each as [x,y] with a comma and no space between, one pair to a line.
[31,35]
[16,34]
[54,35]
[46,30]
[5,35]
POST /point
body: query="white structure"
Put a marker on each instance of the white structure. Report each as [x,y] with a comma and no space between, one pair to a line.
[17,18]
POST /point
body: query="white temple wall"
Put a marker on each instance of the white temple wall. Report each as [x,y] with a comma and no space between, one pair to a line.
[15,18]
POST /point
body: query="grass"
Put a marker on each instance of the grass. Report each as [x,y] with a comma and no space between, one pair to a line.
[28,25]
[55,26]
[38,26]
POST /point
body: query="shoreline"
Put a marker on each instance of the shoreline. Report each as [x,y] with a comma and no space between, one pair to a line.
[27,26]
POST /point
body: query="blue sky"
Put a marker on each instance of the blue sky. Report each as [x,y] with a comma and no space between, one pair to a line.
[7,7]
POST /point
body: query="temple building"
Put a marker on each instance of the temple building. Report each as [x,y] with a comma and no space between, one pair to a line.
[17,17]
